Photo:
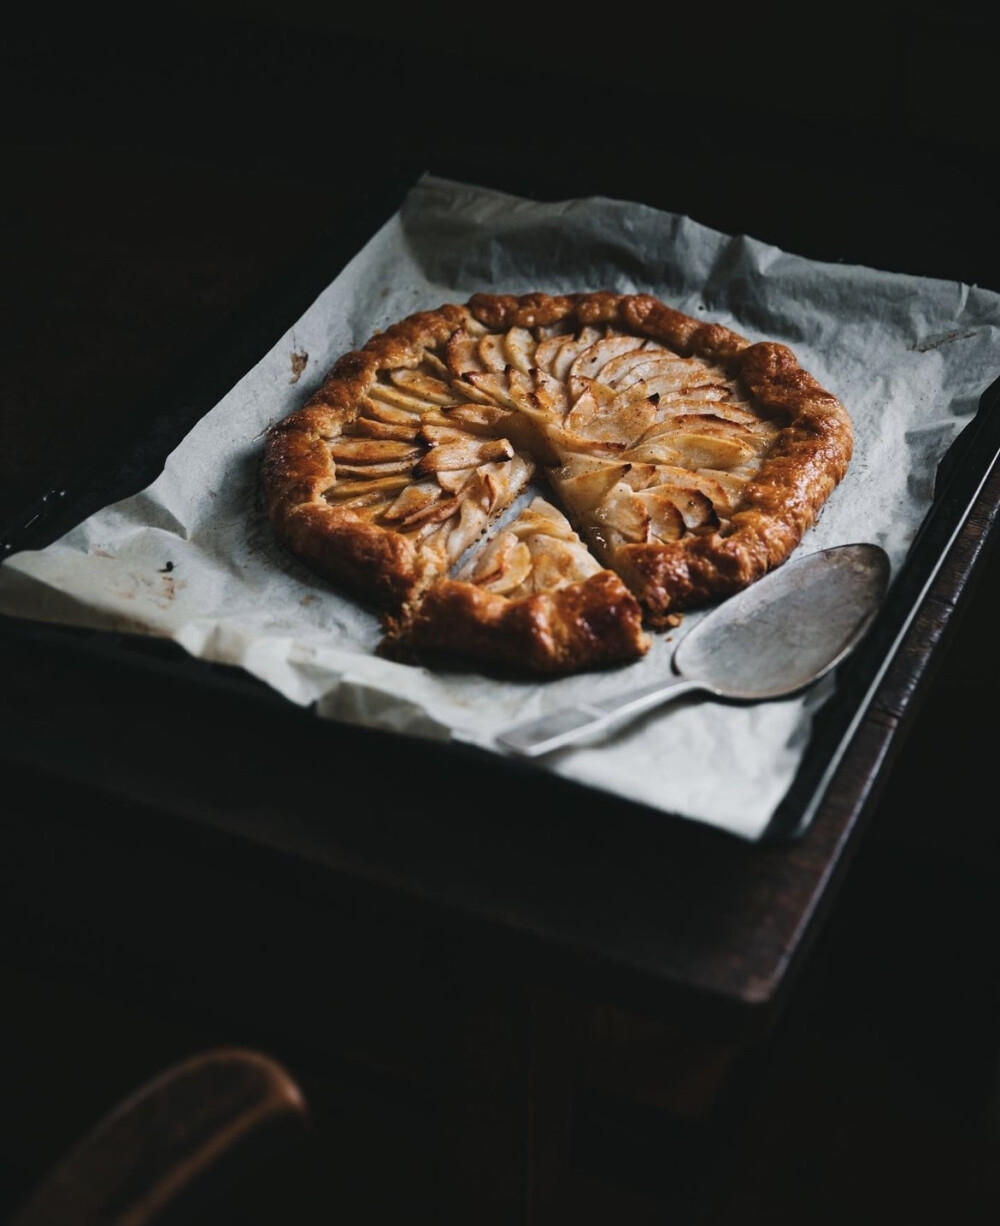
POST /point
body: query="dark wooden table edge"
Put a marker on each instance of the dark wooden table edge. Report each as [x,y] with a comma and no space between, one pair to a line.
[827,846]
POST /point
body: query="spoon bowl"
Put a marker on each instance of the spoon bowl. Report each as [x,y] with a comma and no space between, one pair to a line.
[772,639]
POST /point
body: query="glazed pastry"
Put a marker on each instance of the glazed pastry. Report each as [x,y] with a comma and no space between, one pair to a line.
[669,463]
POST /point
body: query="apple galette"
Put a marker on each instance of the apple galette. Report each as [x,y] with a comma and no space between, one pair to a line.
[540,481]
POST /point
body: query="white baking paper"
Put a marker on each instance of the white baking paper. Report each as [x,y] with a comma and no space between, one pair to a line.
[191,558]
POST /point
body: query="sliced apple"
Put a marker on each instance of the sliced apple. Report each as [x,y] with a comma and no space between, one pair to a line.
[697,450]
[571,348]
[584,385]
[371,427]
[666,518]
[565,443]
[387,412]
[493,387]
[733,488]
[695,508]
[414,499]
[349,450]
[388,393]
[557,562]
[622,513]
[464,451]
[423,386]
[712,423]
[583,485]
[592,360]
[504,564]
[472,523]
[540,515]
[461,354]
[551,394]
[700,393]
[663,364]
[722,489]
[454,480]
[495,485]
[364,471]
[597,418]
[484,419]
[658,450]
[349,491]
[670,411]
[618,372]
[491,353]
[519,347]
[546,351]
[428,520]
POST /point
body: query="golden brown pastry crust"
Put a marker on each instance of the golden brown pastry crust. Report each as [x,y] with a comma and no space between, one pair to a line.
[784,439]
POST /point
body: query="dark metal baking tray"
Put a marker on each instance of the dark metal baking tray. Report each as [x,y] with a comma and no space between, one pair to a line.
[192,392]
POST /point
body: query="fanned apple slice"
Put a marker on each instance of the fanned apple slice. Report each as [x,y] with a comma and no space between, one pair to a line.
[536,415]
[592,360]
[551,394]
[557,562]
[362,492]
[705,393]
[571,348]
[473,520]
[388,393]
[434,521]
[635,367]
[722,489]
[493,387]
[558,556]
[413,499]
[491,352]
[461,354]
[583,482]
[579,386]
[450,449]
[499,483]
[698,515]
[667,521]
[547,351]
[424,386]
[519,347]
[538,552]
[622,514]
[599,417]
[483,419]
[348,450]
[542,516]
[714,424]
[670,412]
[381,411]
[372,427]
[700,450]
[490,489]
[365,472]
[454,480]
[565,443]
[504,564]
[434,364]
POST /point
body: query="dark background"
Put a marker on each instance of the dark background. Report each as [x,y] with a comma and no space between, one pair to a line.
[167,166]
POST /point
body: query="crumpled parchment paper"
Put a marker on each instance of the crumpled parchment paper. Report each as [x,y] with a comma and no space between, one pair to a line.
[191,557]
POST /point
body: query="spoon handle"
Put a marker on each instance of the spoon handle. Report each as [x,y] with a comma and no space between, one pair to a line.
[585,719]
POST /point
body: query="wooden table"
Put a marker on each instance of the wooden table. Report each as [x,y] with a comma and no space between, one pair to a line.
[483,930]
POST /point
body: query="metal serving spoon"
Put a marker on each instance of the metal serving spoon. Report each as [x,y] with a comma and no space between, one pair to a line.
[771,639]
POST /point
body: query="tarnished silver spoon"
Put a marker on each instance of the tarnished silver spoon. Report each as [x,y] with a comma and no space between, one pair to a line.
[771,639]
